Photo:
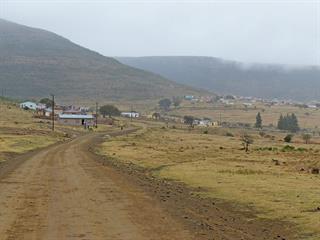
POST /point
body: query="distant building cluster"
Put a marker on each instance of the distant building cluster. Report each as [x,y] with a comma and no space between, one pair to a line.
[67,115]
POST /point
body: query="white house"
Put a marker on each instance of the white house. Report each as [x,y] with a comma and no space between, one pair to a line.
[29,105]
[130,114]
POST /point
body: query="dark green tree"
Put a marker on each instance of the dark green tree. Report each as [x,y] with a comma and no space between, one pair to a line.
[294,125]
[165,104]
[280,122]
[47,102]
[188,120]
[258,123]
[288,122]
[109,110]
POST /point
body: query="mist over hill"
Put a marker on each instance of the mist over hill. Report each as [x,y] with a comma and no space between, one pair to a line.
[35,63]
[230,77]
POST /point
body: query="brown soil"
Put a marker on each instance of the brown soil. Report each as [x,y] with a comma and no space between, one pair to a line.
[66,192]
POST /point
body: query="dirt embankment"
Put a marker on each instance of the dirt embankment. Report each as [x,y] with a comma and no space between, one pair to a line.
[207,218]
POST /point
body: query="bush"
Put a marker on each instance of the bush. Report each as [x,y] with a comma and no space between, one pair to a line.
[300,149]
[262,134]
[205,131]
[229,134]
[288,148]
[306,137]
[288,138]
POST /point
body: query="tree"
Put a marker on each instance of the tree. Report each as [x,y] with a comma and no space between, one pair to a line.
[246,141]
[47,102]
[306,137]
[280,122]
[258,123]
[109,110]
[176,101]
[165,104]
[288,122]
[294,123]
[188,120]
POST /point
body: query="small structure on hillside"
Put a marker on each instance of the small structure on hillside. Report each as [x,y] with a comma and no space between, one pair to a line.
[76,119]
[29,105]
[130,114]
[204,123]
[189,97]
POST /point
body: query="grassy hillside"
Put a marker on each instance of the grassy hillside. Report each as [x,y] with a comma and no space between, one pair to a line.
[35,63]
[268,81]
[20,132]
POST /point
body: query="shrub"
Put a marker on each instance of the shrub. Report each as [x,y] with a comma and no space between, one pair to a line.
[288,148]
[205,131]
[306,137]
[262,134]
[300,149]
[288,138]
[229,134]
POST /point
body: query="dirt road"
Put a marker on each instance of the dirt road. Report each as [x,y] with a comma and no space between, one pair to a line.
[62,193]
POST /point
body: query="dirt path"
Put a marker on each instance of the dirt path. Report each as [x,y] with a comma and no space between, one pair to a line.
[62,193]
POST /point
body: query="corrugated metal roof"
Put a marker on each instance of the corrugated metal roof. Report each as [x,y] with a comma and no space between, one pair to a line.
[75,116]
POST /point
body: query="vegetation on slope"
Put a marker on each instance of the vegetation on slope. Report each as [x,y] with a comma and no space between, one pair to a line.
[35,63]
[228,77]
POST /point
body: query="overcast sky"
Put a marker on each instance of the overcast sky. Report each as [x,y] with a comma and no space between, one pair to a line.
[251,31]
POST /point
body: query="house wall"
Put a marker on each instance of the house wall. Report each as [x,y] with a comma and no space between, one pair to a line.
[72,122]
[75,122]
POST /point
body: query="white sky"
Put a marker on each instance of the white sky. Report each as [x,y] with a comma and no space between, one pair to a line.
[270,31]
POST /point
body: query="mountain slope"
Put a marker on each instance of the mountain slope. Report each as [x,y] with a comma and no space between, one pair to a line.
[35,63]
[268,81]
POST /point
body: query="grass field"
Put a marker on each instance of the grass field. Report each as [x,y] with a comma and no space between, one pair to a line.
[273,179]
[308,118]
[20,132]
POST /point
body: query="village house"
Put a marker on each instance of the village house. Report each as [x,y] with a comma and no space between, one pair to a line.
[205,123]
[28,105]
[76,119]
[130,114]
[189,97]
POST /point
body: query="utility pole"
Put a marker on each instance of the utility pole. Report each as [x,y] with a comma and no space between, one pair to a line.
[131,113]
[220,120]
[52,111]
[96,114]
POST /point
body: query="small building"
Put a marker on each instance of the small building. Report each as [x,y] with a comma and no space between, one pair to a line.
[188,97]
[41,106]
[130,114]
[76,119]
[28,105]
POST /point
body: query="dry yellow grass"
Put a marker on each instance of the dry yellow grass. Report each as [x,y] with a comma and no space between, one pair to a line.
[308,118]
[215,162]
[20,132]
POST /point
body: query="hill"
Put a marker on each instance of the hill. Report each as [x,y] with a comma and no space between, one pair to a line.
[229,77]
[35,63]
